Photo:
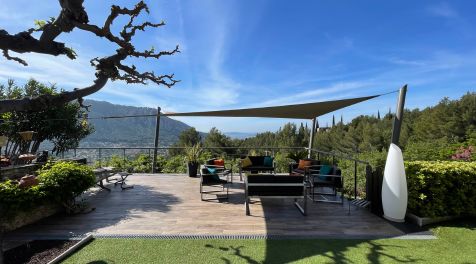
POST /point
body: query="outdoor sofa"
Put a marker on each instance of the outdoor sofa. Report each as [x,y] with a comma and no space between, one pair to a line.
[258,164]
[276,186]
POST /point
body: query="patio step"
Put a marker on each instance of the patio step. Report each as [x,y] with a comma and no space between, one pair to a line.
[361,203]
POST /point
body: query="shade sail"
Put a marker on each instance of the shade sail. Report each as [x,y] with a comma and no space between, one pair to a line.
[297,111]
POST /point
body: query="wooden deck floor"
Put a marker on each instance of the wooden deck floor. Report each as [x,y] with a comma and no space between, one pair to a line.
[170,205]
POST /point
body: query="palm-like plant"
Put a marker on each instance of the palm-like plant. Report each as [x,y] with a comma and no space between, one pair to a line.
[192,156]
[192,153]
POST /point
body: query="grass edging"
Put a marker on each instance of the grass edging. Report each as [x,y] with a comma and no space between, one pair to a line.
[72,249]
[423,221]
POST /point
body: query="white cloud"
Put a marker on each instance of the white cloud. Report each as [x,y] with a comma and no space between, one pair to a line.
[443,9]
[400,61]
[60,70]
[333,91]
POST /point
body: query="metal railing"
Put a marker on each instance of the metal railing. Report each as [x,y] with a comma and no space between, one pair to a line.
[102,153]
[162,151]
[334,155]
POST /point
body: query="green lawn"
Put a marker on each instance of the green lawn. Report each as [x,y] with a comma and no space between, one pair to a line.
[456,243]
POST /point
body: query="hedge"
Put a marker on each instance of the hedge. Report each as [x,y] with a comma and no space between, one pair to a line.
[60,183]
[441,188]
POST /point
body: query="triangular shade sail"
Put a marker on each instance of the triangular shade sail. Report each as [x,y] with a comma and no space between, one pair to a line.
[297,111]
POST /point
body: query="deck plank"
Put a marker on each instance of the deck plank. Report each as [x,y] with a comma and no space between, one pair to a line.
[170,204]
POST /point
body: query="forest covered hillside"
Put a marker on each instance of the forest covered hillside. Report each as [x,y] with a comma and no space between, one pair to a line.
[433,133]
[131,132]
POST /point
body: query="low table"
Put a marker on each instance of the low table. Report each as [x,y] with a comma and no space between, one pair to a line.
[276,186]
[104,173]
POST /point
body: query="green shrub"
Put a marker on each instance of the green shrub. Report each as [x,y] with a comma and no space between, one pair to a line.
[14,198]
[59,182]
[175,164]
[347,167]
[64,181]
[432,150]
[282,162]
[141,163]
[441,188]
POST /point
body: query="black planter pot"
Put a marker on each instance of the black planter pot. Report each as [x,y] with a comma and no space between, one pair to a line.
[192,168]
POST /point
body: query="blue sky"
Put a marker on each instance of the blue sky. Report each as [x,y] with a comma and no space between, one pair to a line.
[237,54]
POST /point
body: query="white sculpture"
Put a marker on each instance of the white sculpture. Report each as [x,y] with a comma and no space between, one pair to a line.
[394,187]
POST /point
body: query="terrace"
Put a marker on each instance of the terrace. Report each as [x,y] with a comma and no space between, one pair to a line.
[162,205]
[168,205]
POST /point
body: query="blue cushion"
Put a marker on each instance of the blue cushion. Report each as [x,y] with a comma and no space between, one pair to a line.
[268,162]
[324,170]
[212,170]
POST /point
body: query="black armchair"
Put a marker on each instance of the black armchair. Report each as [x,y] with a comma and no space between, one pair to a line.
[222,169]
[210,179]
[294,167]
[329,176]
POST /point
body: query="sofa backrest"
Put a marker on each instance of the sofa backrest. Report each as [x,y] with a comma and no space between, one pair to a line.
[257,160]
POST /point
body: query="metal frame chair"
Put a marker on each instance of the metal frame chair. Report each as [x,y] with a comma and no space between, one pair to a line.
[212,180]
[336,182]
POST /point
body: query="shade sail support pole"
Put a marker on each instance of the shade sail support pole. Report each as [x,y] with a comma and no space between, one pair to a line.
[156,141]
[397,121]
[311,138]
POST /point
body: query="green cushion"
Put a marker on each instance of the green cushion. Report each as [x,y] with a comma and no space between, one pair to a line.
[268,161]
[324,170]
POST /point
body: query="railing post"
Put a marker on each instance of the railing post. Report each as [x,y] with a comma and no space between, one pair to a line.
[397,121]
[355,180]
[311,137]
[124,156]
[156,141]
[368,181]
[75,153]
[100,157]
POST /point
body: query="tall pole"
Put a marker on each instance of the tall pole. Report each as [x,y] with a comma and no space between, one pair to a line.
[311,138]
[156,141]
[397,121]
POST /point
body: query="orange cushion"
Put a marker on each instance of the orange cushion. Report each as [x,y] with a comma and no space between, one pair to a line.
[304,163]
[219,162]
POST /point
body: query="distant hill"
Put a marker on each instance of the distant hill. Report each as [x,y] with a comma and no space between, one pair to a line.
[131,132]
[239,135]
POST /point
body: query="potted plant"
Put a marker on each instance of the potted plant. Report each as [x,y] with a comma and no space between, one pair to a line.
[192,155]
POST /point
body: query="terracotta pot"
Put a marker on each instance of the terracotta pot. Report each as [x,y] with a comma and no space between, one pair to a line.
[28,181]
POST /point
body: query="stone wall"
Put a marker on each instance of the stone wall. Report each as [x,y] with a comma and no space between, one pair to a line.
[16,172]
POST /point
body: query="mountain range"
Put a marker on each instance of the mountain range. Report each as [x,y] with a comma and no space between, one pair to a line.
[134,131]
[131,132]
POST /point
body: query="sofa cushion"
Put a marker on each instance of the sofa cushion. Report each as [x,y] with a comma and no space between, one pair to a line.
[258,168]
[257,160]
[211,179]
[268,161]
[325,170]
[304,163]
[274,179]
[219,162]
[246,162]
